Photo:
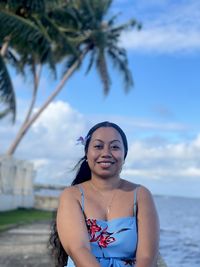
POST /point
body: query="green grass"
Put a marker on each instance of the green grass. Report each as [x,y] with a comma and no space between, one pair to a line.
[22,216]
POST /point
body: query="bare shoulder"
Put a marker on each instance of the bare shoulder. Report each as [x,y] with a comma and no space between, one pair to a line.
[127,185]
[69,195]
[144,193]
[145,200]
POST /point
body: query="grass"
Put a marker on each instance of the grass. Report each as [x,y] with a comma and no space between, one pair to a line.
[12,218]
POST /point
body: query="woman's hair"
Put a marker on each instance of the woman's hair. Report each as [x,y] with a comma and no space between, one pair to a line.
[83,174]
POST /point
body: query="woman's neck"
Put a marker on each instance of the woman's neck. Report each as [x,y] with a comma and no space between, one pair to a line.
[106,184]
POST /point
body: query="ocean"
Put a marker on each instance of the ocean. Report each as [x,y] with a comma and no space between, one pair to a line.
[180,230]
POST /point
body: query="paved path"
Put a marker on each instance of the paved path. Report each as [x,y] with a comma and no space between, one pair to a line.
[25,246]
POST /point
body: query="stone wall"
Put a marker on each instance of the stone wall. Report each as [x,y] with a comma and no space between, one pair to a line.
[16,183]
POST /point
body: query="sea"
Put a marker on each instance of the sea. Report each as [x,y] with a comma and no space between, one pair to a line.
[179,230]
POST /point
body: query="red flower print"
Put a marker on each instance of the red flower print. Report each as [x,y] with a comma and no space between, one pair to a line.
[105,240]
[93,228]
[98,234]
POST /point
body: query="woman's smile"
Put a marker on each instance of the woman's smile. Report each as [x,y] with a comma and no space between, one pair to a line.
[105,164]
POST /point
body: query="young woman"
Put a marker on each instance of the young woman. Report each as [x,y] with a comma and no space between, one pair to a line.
[104,220]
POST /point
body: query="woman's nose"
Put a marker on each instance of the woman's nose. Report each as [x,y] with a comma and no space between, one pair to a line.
[106,152]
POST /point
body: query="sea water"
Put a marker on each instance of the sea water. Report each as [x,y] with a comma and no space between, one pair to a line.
[179,230]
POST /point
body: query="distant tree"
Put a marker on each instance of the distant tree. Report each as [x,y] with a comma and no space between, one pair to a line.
[69,32]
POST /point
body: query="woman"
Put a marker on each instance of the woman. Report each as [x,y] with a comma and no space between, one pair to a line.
[104,220]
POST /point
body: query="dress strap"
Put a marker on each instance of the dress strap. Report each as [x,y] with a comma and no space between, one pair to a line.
[135,201]
[82,197]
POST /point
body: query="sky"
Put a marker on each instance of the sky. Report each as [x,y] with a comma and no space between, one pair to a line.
[160,114]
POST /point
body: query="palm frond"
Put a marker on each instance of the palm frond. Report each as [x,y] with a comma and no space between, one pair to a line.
[64,17]
[100,8]
[86,6]
[15,61]
[104,39]
[25,36]
[29,6]
[7,95]
[103,71]
[60,40]
[120,61]
[4,113]
[126,26]
[112,20]
[70,61]
[91,61]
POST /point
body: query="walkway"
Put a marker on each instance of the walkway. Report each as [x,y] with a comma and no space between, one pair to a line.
[25,246]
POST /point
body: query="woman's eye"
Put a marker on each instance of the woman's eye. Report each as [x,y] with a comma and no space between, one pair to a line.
[115,147]
[98,146]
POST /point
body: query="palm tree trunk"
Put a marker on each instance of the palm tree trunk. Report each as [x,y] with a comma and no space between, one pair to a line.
[57,90]
[36,75]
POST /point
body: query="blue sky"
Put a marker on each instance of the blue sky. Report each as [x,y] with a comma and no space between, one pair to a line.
[160,114]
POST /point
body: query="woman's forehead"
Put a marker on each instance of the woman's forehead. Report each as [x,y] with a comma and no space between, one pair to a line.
[105,133]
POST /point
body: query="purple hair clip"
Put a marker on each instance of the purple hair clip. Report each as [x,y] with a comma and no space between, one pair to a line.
[82,140]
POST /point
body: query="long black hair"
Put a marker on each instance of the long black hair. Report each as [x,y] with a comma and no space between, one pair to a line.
[83,174]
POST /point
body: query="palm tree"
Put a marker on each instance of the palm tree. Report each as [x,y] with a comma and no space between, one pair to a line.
[24,41]
[91,36]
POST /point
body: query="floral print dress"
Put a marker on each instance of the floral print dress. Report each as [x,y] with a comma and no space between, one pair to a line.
[113,242]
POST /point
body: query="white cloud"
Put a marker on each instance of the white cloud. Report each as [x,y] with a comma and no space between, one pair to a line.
[51,146]
[162,40]
[168,161]
[174,28]
[51,142]
[142,123]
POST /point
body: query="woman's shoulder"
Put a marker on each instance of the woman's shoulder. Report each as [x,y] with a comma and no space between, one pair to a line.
[69,193]
[145,197]
[142,190]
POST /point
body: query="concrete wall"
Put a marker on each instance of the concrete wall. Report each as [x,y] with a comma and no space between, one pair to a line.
[16,183]
[46,202]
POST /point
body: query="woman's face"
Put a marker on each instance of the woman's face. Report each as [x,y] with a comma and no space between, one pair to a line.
[106,152]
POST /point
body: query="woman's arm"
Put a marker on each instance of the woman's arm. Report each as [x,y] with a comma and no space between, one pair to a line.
[72,229]
[148,230]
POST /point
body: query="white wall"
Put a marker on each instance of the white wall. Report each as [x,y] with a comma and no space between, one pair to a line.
[16,183]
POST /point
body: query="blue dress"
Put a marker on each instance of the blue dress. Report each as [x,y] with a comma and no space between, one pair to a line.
[113,242]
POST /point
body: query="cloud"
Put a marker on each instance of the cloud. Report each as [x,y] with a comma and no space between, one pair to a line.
[51,146]
[143,123]
[51,142]
[167,161]
[162,40]
[172,28]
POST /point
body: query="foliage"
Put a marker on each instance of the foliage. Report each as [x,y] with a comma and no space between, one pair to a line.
[6,90]
[29,33]
[39,33]
[22,216]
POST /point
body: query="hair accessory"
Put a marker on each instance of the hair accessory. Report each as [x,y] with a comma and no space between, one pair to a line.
[82,140]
